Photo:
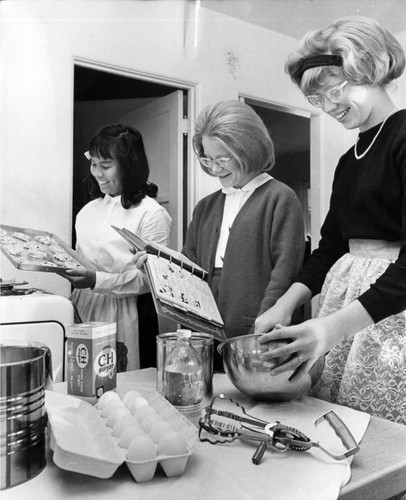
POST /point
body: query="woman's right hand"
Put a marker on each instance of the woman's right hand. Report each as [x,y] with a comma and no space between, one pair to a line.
[299,346]
[80,277]
[139,259]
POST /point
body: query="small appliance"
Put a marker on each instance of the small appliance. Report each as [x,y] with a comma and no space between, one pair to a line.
[37,316]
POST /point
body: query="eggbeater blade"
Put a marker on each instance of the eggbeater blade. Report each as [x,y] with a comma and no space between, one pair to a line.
[228,421]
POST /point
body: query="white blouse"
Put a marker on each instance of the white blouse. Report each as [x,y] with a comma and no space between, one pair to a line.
[103,247]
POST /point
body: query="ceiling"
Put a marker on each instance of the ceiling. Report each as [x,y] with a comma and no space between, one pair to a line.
[295,17]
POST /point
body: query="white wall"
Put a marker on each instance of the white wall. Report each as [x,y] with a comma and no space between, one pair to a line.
[222,56]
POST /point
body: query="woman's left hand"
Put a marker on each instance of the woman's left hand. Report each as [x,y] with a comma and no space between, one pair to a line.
[305,343]
[81,277]
[139,259]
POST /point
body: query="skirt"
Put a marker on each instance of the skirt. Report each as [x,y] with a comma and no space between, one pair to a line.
[368,372]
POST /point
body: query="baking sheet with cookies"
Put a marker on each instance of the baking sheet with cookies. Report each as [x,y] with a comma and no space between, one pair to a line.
[35,250]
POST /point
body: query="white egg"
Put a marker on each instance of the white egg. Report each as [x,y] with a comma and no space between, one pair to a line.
[172,443]
[148,420]
[143,412]
[158,428]
[129,434]
[117,413]
[130,396]
[137,403]
[105,397]
[122,423]
[167,412]
[141,448]
[110,405]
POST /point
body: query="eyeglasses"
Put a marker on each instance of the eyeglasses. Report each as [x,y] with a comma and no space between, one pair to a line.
[209,162]
[334,95]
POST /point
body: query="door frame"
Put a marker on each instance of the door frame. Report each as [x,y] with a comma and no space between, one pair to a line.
[189,162]
[159,123]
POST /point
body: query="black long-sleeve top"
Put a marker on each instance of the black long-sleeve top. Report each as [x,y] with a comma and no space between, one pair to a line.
[368,201]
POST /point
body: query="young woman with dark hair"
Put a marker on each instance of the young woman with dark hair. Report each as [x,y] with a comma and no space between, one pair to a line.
[114,289]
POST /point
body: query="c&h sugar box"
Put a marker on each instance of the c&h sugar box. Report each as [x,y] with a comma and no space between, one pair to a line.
[91,359]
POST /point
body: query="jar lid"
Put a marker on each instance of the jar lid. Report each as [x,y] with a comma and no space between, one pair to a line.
[185,334]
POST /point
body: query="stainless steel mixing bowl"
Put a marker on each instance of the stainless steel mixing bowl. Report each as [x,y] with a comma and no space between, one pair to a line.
[251,376]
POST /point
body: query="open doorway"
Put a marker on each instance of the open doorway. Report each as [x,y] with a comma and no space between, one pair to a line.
[160,112]
[290,132]
[102,97]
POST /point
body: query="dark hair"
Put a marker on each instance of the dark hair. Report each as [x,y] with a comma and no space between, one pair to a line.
[124,144]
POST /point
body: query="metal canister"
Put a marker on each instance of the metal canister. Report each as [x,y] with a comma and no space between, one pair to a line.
[24,369]
[203,344]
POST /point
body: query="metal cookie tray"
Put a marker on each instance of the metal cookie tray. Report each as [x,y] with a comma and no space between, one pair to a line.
[35,250]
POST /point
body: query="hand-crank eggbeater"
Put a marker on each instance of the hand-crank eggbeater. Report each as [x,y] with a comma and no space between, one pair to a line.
[225,421]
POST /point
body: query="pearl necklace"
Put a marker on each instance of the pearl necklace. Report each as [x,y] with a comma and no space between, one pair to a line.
[357,156]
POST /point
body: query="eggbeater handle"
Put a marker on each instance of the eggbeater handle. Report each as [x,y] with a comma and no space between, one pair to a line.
[259,453]
[342,432]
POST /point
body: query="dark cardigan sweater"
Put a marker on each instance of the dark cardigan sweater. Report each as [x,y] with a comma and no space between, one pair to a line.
[263,256]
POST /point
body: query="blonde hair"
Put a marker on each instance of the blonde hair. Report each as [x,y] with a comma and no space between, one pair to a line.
[240,131]
[370,54]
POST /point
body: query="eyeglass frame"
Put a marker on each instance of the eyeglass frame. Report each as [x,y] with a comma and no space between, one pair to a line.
[326,94]
[213,161]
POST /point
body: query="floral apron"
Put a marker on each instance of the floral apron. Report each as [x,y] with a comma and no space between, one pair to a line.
[368,372]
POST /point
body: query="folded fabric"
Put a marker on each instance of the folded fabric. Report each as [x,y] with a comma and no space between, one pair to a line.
[292,475]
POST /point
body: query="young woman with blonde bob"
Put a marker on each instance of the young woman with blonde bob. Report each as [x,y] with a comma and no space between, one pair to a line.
[249,234]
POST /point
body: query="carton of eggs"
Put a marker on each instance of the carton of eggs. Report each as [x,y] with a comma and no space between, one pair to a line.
[142,429]
[152,433]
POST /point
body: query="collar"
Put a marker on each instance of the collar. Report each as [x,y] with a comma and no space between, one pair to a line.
[251,186]
[111,199]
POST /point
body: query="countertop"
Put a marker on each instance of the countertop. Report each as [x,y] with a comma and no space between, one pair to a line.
[378,470]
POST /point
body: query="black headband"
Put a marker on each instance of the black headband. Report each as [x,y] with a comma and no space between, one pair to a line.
[321,60]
